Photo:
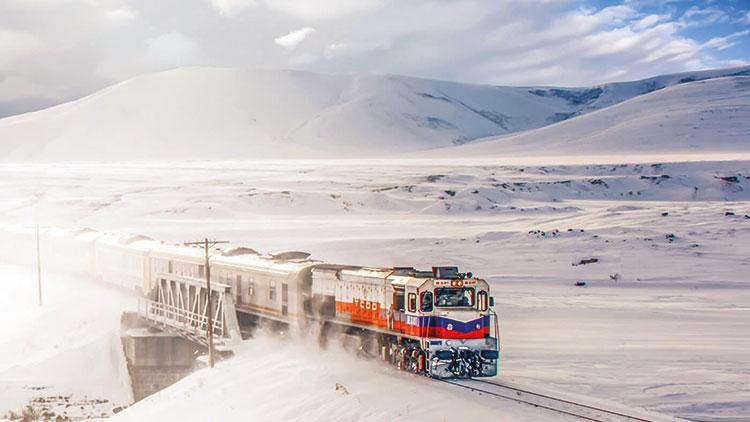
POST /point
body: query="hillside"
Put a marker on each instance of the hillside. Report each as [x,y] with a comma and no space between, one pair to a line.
[705,117]
[215,113]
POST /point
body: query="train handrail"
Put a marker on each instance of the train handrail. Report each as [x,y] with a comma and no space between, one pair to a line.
[497,325]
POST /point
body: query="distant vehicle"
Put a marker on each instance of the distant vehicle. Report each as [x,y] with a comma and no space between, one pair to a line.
[436,322]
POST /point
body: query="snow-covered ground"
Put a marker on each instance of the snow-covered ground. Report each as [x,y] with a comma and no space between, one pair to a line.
[671,334]
[711,116]
[275,380]
[215,113]
[66,354]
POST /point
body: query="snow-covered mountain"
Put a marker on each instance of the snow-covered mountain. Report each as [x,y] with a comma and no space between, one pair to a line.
[215,113]
[704,117]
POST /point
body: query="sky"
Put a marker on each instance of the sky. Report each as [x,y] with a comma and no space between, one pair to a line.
[53,51]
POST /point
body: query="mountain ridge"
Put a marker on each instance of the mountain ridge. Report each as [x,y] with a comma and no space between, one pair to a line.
[220,113]
[710,116]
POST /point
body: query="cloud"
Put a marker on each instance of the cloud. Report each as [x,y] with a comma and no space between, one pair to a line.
[15,44]
[722,43]
[231,8]
[121,15]
[647,22]
[69,48]
[170,50]
[322,9]
[294,38]
[701,17]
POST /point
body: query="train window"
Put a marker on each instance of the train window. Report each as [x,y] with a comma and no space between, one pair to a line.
[426,302]
[272,291]
[454,297]
[398,300]
[482,300]
[412,302]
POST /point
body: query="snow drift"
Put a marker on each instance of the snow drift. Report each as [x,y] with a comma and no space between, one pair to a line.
[215,113]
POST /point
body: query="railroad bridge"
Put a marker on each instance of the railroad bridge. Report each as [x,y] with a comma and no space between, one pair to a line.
[181,304]
[178,306]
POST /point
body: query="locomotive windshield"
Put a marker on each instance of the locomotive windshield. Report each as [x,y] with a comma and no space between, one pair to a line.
[454,297]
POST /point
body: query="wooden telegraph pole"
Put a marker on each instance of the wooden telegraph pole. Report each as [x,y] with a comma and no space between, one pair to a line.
[209,320]
[38,267]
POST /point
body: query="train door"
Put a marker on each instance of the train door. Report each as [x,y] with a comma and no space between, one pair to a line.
[411,320]
[284,299]
[397,319]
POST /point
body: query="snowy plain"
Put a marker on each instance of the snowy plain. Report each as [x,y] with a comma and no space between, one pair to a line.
[66,355]
[655,187]
[670,335]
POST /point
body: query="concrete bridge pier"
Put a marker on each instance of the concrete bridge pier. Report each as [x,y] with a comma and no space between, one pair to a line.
[156,359]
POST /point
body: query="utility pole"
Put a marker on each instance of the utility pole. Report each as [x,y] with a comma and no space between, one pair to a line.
[209,319]
[38,267]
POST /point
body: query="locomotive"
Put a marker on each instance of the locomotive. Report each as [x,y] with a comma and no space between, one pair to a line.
[437,322]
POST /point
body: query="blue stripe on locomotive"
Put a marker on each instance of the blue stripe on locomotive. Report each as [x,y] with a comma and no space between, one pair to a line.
[443,322]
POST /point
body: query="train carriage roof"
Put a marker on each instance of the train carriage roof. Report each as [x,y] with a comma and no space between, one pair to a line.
[130,242]
[189,253]
[86,234]
[263,263]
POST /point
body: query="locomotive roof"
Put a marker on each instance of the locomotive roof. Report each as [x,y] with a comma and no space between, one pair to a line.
[404,281]
[353,271]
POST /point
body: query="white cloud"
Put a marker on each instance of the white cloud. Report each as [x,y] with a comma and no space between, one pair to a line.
[322,9]
[294,38]
[722,43]
[70,48]
[121,15]
[700,17]
[647,22]
[161,52]
[231,8]
[15,44]
[170,50]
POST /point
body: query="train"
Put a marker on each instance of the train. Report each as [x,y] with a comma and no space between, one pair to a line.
[437,322]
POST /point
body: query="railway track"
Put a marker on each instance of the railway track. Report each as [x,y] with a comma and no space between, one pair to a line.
[543,401]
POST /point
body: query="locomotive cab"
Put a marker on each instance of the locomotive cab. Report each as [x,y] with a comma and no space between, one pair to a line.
[450,313]
[460,345]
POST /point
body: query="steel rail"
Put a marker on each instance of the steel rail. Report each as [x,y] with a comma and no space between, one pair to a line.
[547,406]
[598,409]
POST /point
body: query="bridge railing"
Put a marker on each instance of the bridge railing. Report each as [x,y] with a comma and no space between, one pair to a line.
[179,318]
